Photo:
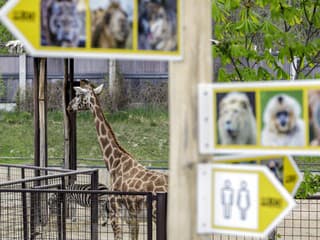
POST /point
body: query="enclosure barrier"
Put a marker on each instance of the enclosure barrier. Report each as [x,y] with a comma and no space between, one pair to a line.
[302,223]
[41,207]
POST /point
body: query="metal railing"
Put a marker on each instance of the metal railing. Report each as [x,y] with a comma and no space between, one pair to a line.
[39,207]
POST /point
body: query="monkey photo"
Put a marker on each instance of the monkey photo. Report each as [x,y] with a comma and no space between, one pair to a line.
[283,124]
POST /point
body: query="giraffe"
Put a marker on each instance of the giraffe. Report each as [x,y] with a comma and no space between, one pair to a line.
[127,174]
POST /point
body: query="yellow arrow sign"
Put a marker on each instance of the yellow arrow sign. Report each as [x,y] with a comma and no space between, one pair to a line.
[240,200]
[96,28]
[282,166]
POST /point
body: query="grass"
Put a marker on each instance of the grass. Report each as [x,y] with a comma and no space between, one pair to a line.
[142,132]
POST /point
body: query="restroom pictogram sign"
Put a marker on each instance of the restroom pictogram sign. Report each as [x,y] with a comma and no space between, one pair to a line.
[235,199]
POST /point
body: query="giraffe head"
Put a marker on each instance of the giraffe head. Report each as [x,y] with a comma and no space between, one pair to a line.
[84,96]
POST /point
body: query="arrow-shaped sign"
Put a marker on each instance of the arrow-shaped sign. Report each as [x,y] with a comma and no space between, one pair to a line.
[95,28]
[282,166]
[240,200]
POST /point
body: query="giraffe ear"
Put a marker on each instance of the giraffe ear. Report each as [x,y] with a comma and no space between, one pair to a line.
[80,90]
[98,89]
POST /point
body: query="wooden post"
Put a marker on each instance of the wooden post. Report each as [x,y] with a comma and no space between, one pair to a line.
[42,98]
[40,135]
[195,67]
[40,112]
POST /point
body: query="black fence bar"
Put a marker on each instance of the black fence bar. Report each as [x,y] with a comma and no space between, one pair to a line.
[24,208]
[38,179]
[33,216]
[161,216]
[149,215]
[63,212]
[9,166]
[94,206]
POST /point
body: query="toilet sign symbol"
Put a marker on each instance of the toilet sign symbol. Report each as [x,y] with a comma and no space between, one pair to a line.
[243,200]
[227,199]
[231,200]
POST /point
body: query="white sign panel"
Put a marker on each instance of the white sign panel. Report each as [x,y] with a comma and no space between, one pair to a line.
[236,202]
[274,117]
[240,200]
[123,29]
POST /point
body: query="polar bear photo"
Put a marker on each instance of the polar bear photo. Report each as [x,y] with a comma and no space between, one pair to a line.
[236,121]
[283,125]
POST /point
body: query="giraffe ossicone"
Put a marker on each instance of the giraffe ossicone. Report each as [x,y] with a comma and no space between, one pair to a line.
[127,174]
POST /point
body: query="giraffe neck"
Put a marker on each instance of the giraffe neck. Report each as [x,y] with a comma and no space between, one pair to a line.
[111,149]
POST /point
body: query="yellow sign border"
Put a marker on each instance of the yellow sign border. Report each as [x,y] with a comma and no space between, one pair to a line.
[208,129]
[30,34]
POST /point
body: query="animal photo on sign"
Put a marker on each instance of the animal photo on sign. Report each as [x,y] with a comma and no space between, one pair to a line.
[275,166]
[314,117]
[282,119]
[111,23]
[63,23]
[236,118]
[157,25]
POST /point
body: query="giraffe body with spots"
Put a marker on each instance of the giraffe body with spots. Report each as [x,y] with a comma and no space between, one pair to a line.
[127,174]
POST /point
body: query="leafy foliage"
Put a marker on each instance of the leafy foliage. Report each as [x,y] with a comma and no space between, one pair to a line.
[309,186]
[255,38]
[5,35]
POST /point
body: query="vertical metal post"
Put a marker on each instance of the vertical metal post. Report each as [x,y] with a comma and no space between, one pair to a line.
[94,206]
[149,216]
[64,209]
[161,216]
[73,122]
[33,215]
[70,118]
[36,67]
[24,207]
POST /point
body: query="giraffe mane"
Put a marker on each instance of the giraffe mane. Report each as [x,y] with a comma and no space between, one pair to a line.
[84,83]
[115,139]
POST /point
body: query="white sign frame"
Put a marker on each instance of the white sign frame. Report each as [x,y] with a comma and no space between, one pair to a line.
[207,117]
[113,54]
[238,158]
[205,195]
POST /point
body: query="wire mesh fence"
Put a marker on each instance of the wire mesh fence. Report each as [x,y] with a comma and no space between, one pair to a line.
[71,205]
[301,224]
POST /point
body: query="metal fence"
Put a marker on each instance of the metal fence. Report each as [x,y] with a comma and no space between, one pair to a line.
[302,223]
[41,207]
